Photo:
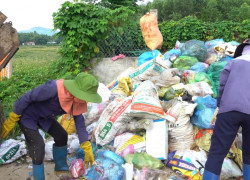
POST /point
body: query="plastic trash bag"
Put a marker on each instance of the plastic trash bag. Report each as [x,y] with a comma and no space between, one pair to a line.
[146,56]
[214,71]
[105,168]
[167,78]
[150,31]
[199,89]
[140,160]
[202,138]
[184,62]
[204,112]
[195,48]
[76,168]
[227,58]
[213,43]
[199,67]
[172,54]
[172,92]
[106,154]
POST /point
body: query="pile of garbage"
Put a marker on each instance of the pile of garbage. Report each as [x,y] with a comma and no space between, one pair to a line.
[156,115]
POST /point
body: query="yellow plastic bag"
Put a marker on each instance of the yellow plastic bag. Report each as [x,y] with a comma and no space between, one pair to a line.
[67,123]
[150,31]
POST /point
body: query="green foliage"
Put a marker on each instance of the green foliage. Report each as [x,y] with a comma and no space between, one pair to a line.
[81,26]
[191,28]
[39,39]
[31,68]
[204,10]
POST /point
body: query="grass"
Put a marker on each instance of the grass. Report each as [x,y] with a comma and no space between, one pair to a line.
[31,67]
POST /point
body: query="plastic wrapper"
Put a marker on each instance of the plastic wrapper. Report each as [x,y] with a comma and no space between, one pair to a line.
[127,139]
[113,120]
[166,79]
[150,31]
[172,54]
[146,56]
[199,89]
[94,112]
[184,62]
[140,160]
[114,84]
[199,67]
[11,150]
[105,168]
[146,103]
[203,138]
[188,163]
[214,71]
[230,169]
[68,123]
[48,151]
[145,174]
[204,112]
[194,48]
[76,168]
[138,125]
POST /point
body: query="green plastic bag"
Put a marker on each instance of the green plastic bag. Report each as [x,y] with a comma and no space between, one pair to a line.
[184,62]
[141,160]
[214,71]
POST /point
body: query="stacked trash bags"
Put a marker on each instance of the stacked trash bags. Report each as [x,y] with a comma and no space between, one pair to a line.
[159,115]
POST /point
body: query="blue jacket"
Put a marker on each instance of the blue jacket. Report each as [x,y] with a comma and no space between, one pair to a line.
[40,106]
[234,90]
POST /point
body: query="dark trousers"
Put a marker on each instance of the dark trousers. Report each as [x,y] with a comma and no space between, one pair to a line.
[225,130]
[35,142]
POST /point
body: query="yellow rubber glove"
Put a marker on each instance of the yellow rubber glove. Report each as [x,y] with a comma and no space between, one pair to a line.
[89,156]
[9,124]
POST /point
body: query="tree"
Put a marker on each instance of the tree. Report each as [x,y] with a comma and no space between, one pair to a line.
[210,12]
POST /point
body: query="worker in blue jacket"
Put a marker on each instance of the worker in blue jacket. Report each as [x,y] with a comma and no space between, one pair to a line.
[38,109]
[234,111]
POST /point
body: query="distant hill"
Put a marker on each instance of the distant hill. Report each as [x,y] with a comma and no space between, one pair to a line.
[39,30]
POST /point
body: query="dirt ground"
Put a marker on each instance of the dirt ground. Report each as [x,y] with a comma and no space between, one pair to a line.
[22,170]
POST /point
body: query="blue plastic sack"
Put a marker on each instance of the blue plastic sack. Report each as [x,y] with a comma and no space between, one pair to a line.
[106,168]
[204,112]
[213,43]
[111,155]
[199,67]
[227,58]
[147,56]
[171,53]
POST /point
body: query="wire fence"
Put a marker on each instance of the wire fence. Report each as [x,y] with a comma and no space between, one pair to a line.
[128,42]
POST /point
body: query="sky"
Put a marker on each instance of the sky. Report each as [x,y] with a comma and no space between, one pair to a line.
[26,14]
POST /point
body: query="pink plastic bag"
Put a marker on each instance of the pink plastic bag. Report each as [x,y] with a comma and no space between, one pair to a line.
[77,168]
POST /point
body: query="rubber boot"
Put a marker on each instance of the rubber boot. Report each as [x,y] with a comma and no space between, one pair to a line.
[210,176]
[246,171]
[60,155]
[38,172]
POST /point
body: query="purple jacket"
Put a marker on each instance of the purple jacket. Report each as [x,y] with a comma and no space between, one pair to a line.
[40,106]
[234,91]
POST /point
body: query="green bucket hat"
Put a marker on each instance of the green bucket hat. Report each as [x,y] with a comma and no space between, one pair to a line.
[84,87]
